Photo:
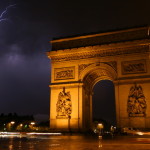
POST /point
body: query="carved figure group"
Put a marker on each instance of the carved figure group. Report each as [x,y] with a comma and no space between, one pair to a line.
[64,106]
[136,105]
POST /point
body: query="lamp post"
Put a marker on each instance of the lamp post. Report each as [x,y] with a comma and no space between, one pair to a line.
[11,125]
[4,129]
[20,126]
[100,127]
[12,122]
[32,125]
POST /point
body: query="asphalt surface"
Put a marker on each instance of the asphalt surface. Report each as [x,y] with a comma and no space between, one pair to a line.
[74,142]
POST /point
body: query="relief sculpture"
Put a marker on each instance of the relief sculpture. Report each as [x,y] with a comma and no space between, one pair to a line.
[64,105]
[135,66]
[64,73]
[136,105]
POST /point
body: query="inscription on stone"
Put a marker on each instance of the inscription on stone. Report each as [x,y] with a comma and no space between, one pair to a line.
[133,67]
[64,73]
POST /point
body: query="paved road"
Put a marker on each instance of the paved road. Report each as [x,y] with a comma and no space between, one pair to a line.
[74,142]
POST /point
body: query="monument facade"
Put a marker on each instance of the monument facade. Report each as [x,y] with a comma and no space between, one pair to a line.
[78,63]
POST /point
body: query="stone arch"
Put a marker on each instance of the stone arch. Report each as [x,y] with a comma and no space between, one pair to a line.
[78,63]
[96,66]
[90,76]
[94,73]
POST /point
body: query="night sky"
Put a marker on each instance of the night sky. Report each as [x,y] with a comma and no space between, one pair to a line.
[28,26]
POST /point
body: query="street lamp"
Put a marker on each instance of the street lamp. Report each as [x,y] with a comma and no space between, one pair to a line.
[31,126]
[32,123]
[100,127]
[12,122]
[11,125]
[21,125]
[4,127]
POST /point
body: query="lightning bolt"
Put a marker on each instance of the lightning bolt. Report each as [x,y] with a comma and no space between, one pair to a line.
[2,15]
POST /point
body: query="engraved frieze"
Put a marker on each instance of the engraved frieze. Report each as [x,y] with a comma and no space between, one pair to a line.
[83,66]
[64,73]
[134,67]
[136,105]
[64,105]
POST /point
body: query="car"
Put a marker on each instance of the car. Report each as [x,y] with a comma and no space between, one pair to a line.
[133,131]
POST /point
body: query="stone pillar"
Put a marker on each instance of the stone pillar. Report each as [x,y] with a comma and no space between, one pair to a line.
[65,97]
[117,102]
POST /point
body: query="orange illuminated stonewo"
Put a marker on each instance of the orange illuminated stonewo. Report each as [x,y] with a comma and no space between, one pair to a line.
[78,63]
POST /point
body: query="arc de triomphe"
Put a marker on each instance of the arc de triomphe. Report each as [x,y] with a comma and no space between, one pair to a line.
[78,63]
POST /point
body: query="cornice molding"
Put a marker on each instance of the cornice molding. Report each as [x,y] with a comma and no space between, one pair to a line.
[101,38]
[97,51]
[132,80]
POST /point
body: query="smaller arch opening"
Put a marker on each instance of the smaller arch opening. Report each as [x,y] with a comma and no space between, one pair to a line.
[103,103]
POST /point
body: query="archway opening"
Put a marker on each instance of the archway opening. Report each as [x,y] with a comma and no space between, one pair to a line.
[103,103]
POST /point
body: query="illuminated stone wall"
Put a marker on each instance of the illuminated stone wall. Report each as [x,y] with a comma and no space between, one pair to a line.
[77,67]
[67,79]
[137,75]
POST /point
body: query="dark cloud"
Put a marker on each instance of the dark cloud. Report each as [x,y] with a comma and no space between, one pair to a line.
[24,66]
[24,84]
